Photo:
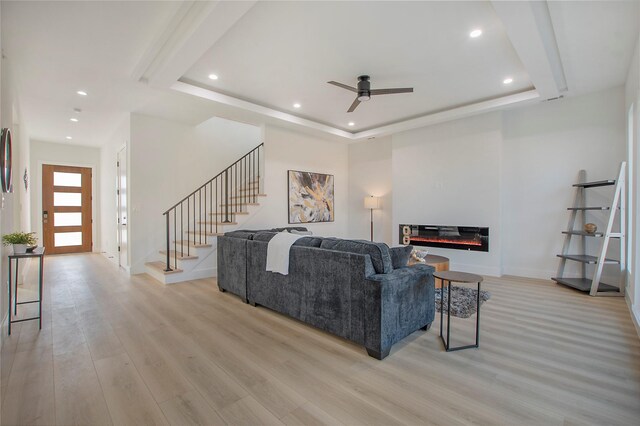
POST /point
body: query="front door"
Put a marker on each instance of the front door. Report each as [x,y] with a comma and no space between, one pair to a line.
[66,209]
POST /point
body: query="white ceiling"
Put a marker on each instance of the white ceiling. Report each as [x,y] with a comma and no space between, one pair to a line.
[58,48]
[128,55]
[282,52]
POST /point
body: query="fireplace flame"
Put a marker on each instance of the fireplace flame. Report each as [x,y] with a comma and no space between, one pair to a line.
[445,240]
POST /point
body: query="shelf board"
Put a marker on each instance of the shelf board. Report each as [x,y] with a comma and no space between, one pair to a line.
[584,233]
[589,208]
[584,284]
[597,183]
[583,258]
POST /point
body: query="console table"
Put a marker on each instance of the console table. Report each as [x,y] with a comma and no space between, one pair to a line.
[37,253]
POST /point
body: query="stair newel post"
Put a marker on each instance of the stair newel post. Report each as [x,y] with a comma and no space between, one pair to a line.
[168,268]
[216,215]
[188,224]
[175,238]
[258,169]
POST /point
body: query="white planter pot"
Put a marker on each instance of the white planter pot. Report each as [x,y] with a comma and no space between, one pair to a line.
[19,248]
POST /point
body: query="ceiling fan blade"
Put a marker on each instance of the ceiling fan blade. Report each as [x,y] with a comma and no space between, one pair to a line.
[354,105]
[391,91]
[344,86]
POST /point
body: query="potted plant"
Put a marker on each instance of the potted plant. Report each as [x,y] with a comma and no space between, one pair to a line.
[20,241]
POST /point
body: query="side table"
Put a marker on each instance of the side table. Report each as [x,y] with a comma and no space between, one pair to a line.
[450,277]
[441,263]
[39,254]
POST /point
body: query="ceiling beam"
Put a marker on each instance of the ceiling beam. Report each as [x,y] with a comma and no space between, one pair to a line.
[195,27]
[530,29]
[425,120]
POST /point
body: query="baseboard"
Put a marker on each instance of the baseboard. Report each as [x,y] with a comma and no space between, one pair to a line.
[529,272]
[476,269]
[634,310]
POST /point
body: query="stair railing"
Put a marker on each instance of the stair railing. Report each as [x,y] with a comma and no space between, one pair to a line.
[217,201]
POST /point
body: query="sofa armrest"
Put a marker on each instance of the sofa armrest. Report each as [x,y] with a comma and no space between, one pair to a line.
[398,304]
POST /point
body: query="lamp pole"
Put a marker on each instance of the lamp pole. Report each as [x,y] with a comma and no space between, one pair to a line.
[371,224]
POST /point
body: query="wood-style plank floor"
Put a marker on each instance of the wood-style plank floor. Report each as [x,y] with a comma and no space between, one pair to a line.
[127,350]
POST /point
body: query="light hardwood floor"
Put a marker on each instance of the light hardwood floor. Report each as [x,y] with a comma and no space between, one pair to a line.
[129,351]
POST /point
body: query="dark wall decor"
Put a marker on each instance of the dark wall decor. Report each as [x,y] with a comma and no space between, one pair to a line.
[310,197]
[473,238]
[6,161]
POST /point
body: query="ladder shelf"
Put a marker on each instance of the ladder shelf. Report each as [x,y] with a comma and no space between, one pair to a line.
[592,283]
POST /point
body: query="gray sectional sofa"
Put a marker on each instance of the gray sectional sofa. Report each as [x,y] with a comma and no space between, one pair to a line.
[346,287]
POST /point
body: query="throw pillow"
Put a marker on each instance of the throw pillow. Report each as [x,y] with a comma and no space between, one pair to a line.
[295,231]
[400,256]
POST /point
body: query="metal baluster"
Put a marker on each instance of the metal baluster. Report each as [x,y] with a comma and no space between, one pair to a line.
[181,231]
[188,226]
[199,216]
[175,241]
[194,219]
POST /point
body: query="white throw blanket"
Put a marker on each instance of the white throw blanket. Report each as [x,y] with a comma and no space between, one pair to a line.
[278,252]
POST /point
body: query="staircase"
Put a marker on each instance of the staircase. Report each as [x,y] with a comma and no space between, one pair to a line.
[192,224]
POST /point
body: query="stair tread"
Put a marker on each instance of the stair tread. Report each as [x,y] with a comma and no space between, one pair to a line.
[181,255]
[208,234]
[160,266]
[192,244]
[235,197]
[239,204]
[230,213]
[208,222]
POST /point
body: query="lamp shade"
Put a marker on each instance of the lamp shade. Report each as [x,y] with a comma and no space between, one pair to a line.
[371,202]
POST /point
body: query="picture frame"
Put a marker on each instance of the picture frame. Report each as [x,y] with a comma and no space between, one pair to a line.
[310,197]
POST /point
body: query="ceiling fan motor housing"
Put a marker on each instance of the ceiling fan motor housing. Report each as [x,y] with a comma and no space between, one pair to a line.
[364,88]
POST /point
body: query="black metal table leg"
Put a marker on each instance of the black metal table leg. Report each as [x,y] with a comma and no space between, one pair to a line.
[15,303]
[9,282]
[40,279]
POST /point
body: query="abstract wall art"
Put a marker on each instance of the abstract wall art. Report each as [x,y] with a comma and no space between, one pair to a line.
[310,197]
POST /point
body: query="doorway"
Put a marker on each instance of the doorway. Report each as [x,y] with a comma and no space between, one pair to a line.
[66,209]
[121,191]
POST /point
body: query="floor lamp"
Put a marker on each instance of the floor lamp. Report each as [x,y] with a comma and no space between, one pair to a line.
[372,203]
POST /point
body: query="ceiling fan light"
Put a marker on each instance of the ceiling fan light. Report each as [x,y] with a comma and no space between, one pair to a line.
[362,98]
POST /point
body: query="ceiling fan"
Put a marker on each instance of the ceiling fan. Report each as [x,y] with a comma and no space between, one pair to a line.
[364,91]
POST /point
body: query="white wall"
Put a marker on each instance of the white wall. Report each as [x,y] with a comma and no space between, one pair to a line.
[632,97]
[168,160]
[510,170]
[108,171]
[365,158]
[289,150]
[545,146]
[64,155]
[449,174]
[14,207]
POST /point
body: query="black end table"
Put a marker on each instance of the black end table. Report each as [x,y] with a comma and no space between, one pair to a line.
[458,277]
[38,253]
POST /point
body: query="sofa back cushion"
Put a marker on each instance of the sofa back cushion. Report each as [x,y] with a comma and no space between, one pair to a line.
[242,234]
[379,252]
[266,236]
[400,256]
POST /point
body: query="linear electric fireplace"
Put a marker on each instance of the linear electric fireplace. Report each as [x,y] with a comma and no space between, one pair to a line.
[472,238]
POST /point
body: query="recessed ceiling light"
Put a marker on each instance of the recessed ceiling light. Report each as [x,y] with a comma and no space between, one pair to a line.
[508,80]
[213,77]
[75,120]
[69,137]
[81,93]
[475,33]
[351,123]
[297,105]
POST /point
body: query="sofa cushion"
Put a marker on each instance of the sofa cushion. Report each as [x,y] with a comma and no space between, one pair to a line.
[400,256]
[242,234]
[265,236]
[309,242]
[287,228]
[379,252]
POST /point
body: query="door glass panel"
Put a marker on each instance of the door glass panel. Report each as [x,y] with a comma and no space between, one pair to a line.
[67,179]
[67,219]
[62,239]
[67,199]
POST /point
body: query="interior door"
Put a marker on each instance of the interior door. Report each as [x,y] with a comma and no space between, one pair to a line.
[66,209]
[122,206]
